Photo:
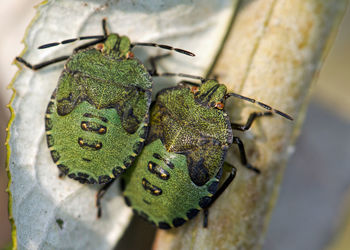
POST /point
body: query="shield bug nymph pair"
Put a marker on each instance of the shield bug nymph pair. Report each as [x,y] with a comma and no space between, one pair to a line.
[98,126]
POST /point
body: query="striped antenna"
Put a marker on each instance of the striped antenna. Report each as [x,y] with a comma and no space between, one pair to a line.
[163,46]
[49,45]
[105,34]
[265,106]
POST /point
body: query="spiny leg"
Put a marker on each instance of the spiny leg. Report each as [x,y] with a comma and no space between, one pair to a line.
[153,60]
[101,192]
[250,120]
[154,72]
[242,154]
[205,217]
[43,64]
[245,127]
[104,27]
[219,192]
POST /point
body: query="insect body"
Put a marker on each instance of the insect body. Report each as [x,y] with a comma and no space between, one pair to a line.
[179,169]
[97,119]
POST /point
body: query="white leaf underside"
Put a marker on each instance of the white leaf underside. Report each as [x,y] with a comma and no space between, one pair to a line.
[40,198]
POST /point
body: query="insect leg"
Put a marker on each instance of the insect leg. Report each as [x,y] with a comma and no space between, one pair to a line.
[250,120]
[205,217]
[242,153]
[152,60]
[61,174]
[219,192]
[43,64]
[104,27]
[100,195]
[153,71]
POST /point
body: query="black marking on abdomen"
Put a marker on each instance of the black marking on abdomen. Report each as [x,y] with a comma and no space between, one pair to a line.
[178,222]
[167,162]
[50,140]
[48,124]
[154,190]
[104,179]
[192,213]
[137,147]
[82,178]
[213,187]
[163,225]
[161,173]
[55,156]
[128,161]
[95,145]
[117,171]
[83,175]
[50,108]
[92,181]
[157,156]
[204,201]
[199,174]
[93,127]
[147,202]
[95,116]
[63,168]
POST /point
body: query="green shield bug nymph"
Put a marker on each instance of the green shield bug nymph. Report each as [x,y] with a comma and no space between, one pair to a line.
[97,119]
[178,172]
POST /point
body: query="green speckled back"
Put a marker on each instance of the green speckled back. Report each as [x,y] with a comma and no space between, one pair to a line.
[97,118]
[168,200]
[189,126]
[180,167]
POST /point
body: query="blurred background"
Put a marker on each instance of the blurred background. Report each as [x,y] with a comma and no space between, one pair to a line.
[314,198]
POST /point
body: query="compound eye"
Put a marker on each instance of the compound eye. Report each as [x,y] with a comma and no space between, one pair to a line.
[194,89]
[219,105]
[130,55]
[100,46]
